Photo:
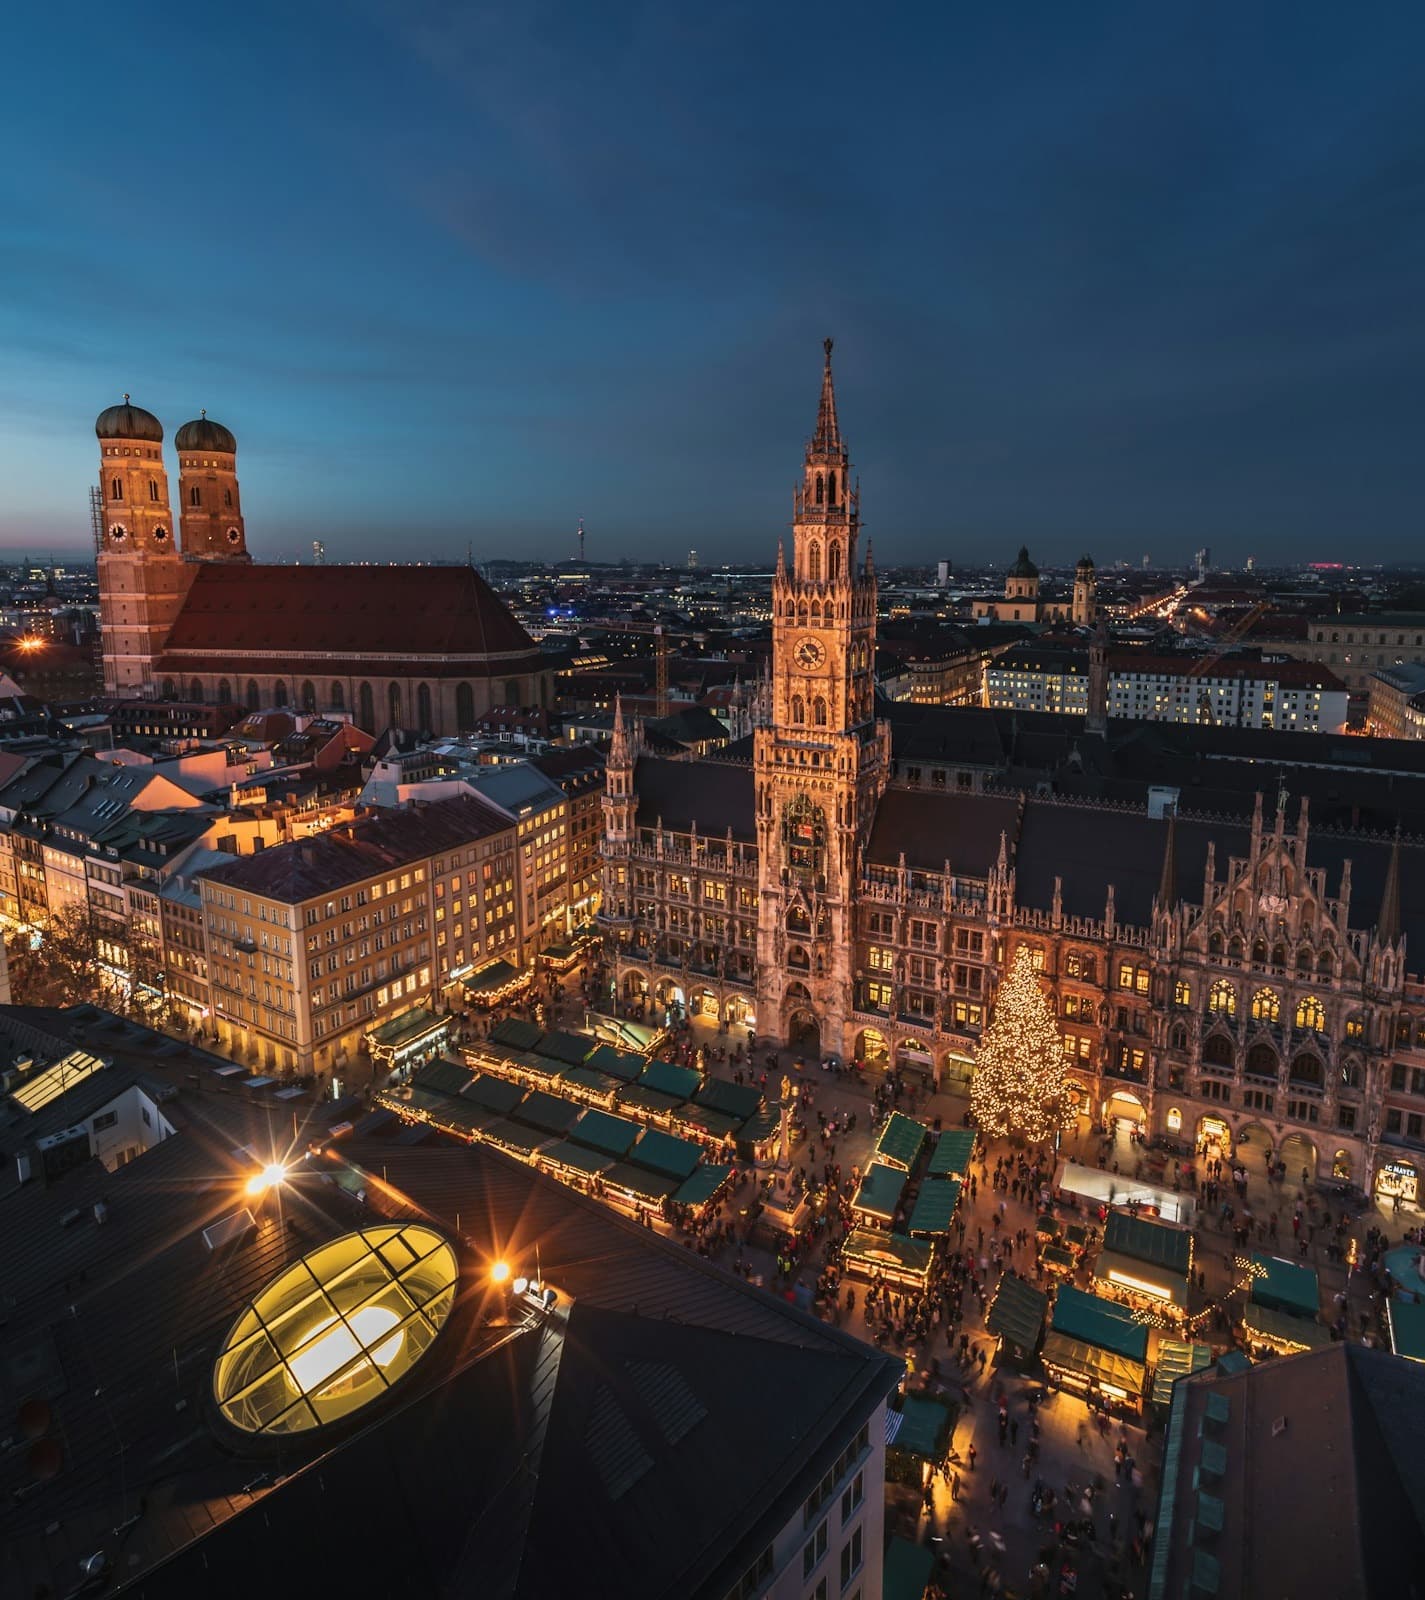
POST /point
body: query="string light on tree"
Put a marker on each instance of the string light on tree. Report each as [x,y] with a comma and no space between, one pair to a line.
[1019,1089]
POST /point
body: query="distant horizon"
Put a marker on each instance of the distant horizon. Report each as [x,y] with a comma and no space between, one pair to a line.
[1120,280]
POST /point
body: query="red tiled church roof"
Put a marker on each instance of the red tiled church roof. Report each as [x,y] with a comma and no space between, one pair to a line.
[365,613]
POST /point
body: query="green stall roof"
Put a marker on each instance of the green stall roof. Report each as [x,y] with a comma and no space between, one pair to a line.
[568,1154]
[704,1118]
[1231,1363]
[621,1064]
[906,1570]
[1407,1328]
[880,1190]
[571,1048]
[515,1136]
[589,1078]
[600,1131]
[494,1094]
[546,1111]
[1017,1312]
[444,1077]
[738,1100]
[1159,1243]
[456,1115]
[638,1181]
[900,1141]
[924,1428]
[760,1126]
[662,1152]
[517,1034]
[951,1155]
[641,1098]
[934,1206]
[495,976]
[1177,1359]
[703,1185]
[1270,1323]
[1094,1362]
[1282,1285]
[873,1248]
[680,1082]
[1096,1321]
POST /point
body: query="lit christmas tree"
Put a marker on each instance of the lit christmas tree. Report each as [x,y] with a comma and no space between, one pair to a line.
[1019,1088]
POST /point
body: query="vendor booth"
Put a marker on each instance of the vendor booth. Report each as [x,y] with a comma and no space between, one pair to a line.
[1096,1347]
[1016,1318]
[902,1262]
[1090,1186]
[1176,1359]
[879,1194]
[1145,1263]
[900,1142]
[408,1041]
[1406,1321]
[1281,1311]
[934,1208]
[953,1152]
[494,984]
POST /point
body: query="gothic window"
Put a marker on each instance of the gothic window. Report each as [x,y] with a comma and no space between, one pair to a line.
[512,691]
[820,489]
[1262,1060]
[831,489]
[195,496]
[169,691]
[252,701]
[1177,1038]
[815,612]
[1259,952]
[464,707]
[1279,957]
[1235,949]
[798,958]
[1303,959]
[309,695]
[798,921]
[225,692]
[228,498]
[195,690]
[814,563]
[819,712]
[279,693]
[1182,993]
[1223,998]
[1310,1013]
[1218,1050]
[833,561]
[798,709]
[1214,945]
[1266,1005]
[336,697]
[393,706]
[367,703]
[153,490]
[1323,964]
[116,489]
[1306,1069]
[1356,1027]
[423,711]
[802,613]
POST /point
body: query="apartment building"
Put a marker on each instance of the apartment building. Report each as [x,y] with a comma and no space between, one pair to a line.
[314,944]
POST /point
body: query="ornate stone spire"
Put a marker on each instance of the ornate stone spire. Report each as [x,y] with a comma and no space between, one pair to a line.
[618,746]
[827,438]
[1388,922]
[1168,882]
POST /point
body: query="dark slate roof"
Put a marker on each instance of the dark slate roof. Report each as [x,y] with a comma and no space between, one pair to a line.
[713,795]
[932,828]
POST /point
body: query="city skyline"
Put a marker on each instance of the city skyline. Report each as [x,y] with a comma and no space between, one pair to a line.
[522,283]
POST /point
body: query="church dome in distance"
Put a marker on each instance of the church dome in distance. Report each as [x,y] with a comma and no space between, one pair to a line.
[128,422]
[1024,567]
[1086,561]
[205,434]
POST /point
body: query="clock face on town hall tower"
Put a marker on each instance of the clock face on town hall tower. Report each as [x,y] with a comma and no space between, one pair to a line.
[809,653]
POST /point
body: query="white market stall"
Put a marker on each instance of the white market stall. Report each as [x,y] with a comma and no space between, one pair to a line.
[1088,1185]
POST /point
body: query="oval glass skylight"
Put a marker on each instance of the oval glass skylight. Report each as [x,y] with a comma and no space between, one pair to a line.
[336,1330]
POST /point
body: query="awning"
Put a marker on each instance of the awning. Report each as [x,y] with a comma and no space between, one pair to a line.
[667,1078]
[951,1156]
[494,1094]
[738,1100]
[1141,1277]
[599,1083]
[445,1077]
[875,1251]
[638,1098]
[899,1142]
[880,1190]
[491,979]
[1282,1285]
[703,1185]
[546,1111]
[1100,1322]
[600,1131]
[1059,1255]
[663,1153]
[905,1574]
[408,1032]
[1177,1359]
[514,1031]
[934,1206]
[622,1064]
[515,1136]
[576,1158]
[1407,1328]
[643,1185]
[924,1429]
[1017,1312]
[1094,1363]
[1282,1331]
[1144,1239]
[457,1115]
[706,1120]
[571,1049]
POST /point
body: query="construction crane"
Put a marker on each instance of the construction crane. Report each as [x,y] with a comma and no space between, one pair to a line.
[660,646]
[1227,641]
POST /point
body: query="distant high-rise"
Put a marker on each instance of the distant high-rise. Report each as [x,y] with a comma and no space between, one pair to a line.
[692,560]
[1203,559]
[942,574]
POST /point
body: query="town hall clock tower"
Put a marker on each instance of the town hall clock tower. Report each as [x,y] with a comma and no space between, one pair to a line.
[821,760]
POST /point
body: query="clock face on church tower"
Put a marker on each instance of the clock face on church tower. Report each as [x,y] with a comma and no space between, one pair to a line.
[808,653]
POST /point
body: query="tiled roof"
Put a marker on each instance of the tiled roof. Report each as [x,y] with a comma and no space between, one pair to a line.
[713,795]
[247,612]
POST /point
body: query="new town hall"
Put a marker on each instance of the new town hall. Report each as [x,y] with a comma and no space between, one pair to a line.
[1214,978]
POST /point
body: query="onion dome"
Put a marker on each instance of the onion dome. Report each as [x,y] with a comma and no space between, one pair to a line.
[128,422]
[1024,567]
[205,434]
[1086,561]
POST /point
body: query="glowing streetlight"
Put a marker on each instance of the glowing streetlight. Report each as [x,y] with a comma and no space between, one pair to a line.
[500,1272]
[270,1176]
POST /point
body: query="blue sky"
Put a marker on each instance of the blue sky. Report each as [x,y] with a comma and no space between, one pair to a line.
[1119,277]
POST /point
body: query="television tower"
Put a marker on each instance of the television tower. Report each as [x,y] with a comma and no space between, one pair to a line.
[581,541]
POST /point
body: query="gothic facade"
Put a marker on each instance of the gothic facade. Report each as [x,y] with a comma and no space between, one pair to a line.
[1215,978]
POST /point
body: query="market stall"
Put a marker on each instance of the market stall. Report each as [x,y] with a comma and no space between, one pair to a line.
[893,1258]
[1176,1359]
[407,1041]
[953,1152]
[1090,1186]
[934,1208]
[1096,1347]
[879,1194]
[1406,1322]
[494,984]
[1145,1262]
[1281,1311]
[1016,1318]
[900,1142]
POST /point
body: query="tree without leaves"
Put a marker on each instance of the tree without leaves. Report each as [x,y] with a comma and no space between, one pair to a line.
[1019,1089]
[63,969]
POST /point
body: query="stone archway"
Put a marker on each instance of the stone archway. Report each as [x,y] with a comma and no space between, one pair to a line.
[739,1009]
[1254,1148]
[872,1048]
[1123,1104]
[1300,1155]
[804,1034]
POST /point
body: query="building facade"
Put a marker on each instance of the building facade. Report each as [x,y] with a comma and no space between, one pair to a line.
[1212,977]
[1354,647]
[1024,603]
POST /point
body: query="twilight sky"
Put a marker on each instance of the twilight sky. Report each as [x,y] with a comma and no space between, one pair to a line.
[1122,277]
